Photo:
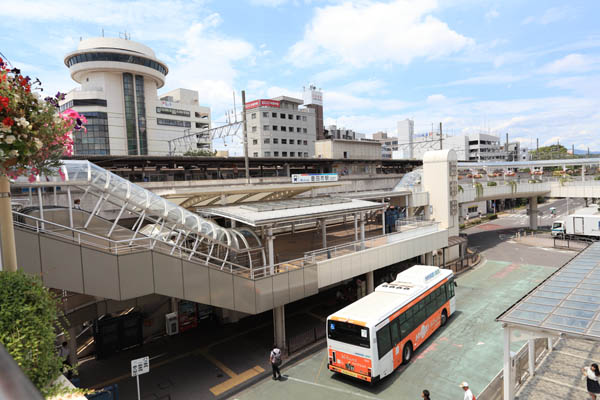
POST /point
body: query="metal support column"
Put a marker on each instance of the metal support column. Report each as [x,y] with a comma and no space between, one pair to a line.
[271,250]
[531,351]
[323,232]
[72,345]
[370,282]
[509,386]
[279,326]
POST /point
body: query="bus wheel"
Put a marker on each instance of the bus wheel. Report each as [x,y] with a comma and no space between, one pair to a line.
[407,353]
[444,317]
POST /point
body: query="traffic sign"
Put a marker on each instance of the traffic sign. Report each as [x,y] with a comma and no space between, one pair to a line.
[140,366]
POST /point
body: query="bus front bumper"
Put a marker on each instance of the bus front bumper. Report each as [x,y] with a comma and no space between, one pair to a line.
[350,373]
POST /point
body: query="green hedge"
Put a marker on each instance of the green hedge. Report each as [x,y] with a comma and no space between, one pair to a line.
[30,320]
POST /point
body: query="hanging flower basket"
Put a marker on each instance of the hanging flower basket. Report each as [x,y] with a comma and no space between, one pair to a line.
[34,134]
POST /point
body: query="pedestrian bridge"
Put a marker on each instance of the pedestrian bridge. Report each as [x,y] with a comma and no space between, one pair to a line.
[503,190]
[153,246]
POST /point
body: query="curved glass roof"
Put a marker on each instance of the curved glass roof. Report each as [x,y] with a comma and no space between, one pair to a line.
[410,179]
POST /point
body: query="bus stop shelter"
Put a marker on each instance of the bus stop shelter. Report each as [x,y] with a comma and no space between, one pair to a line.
[565,305]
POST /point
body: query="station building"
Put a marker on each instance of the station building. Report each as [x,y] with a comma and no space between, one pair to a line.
[119,80]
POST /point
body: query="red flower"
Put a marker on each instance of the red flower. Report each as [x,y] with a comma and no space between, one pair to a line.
[8,121]
[3,102]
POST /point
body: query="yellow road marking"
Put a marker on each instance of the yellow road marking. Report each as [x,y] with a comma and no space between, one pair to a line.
[235,380]
[321,367]
[220,365]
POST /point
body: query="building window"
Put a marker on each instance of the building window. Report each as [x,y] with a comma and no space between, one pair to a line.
[274,115]
[253,116]
[130,124]
[255,154]
[298,130]
[282,116]
[290,116]
[125,58]
[141,114]
[304,130]
[174,122]
[283,141]
[254,141]
[265,127]
[284,154]
[274,127]
[267,141]
[297,118]
[95,141]
[292,154]
[345,154]
[267,154]
[306,142]
[275,154]
[83,102]
[265,114]
[275,141]
[174,111]
[202,125]
[254,129]
[291,141]
[305,154]
[303,118]
[283,129]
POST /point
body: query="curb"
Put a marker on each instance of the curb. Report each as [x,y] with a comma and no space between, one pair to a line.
[319,345]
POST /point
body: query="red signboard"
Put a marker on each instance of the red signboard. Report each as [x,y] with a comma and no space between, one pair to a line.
[262,103]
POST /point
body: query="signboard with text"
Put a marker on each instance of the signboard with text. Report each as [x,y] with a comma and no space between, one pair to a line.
[140,366]
[314,178]
[262,103]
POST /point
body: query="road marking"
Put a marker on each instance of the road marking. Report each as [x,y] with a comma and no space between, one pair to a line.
[235,380]
[219,365]
[321,367]
[364,396]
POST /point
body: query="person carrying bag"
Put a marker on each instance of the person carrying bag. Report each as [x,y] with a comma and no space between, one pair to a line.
[592,374]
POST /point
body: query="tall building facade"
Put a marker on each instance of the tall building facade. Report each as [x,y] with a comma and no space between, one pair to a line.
[406,133]
[333,132]
[279,128]
[313,99]
[119,80]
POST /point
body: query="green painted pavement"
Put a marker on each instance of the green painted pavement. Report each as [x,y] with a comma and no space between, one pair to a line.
[468,348]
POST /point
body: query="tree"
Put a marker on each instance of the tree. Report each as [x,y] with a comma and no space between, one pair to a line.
[30,320]
[553,152]
[200,153]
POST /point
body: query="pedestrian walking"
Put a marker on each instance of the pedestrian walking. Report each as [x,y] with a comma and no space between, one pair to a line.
[425,395]
[468,394]
[592,374]
[275,360]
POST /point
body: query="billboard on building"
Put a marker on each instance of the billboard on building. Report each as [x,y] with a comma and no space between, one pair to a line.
[262,103]
[312,96]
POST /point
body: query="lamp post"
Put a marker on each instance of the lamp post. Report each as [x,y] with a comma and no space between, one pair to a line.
[9,252]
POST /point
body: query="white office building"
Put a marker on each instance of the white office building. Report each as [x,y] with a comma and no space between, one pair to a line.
[278,127]
[476,147]
[119,80]
[406,133]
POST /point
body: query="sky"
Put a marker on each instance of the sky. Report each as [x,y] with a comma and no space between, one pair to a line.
[527,68]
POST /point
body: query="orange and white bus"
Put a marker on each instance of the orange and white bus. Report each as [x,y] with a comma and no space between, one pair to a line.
[371,337]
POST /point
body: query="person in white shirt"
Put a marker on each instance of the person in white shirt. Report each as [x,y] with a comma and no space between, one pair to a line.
[592,373]
[468,393]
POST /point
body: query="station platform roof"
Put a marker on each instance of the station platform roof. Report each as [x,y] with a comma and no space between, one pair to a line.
[292,210]
[567,303]
[245,194]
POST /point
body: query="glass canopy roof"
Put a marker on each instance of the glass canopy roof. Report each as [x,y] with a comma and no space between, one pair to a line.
[568,301]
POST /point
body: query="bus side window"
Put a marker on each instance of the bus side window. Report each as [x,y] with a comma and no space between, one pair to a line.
[384,342]
[451,287]
[395,331]
[420,315]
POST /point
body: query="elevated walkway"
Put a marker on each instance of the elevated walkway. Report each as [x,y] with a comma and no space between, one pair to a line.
[181,255]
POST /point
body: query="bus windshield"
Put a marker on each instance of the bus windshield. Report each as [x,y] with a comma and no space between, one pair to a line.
[348,333]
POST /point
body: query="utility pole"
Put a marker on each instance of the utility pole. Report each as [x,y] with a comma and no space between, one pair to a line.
[573,149]
[537,147]
[507,154]
[246,161]
[441,137]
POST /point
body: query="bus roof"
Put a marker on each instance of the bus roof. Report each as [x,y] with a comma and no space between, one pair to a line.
[389,297]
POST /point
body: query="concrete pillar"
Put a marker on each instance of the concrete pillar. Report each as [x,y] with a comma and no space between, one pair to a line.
[233,223]
[383,221]
[509,386]
[271,250]
[174,307]
[531,351]
[427,213]
[429,258]
[362,231]
[323,232]
[287,169]
[370,282]
[356,227]
[72,344]
[582,173]
[279,326]
[533,216]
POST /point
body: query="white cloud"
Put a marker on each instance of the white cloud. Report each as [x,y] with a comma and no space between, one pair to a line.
[436,98]
[572,63]
[492,79]
[493,13]
[369,86]
[268,3]
[373,32]
[551,15]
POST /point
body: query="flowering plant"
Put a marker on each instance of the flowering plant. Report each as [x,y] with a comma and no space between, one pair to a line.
[34,135]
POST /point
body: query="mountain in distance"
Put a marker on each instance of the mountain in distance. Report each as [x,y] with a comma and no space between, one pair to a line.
[584,152]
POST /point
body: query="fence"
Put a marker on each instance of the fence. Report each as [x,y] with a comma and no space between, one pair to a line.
[463,263]
[306,338]
[495,389]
